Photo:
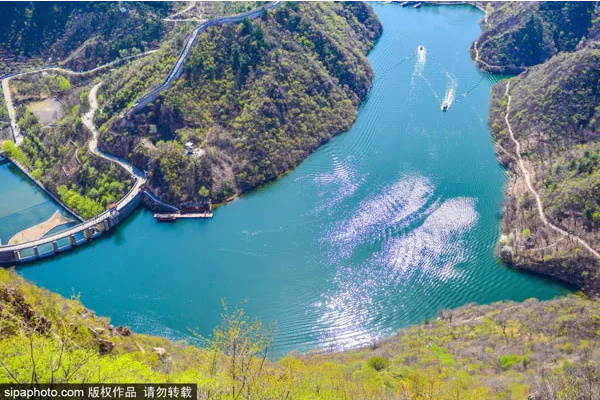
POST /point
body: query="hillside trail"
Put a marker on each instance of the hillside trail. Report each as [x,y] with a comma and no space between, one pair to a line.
[88,121]
[479,60]
[171,18]
[12,112]
[527,175]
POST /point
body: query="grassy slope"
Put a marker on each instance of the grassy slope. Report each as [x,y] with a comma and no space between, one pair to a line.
[257,98]
[499,351]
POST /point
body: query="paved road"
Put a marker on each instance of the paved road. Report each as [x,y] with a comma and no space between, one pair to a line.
[12,113]
[177,68]
[88,120]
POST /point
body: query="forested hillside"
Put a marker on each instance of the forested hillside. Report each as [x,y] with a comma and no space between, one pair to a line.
[80,35]
[49,105]
[255,99]
[554,114]
[521,34]
[555,117]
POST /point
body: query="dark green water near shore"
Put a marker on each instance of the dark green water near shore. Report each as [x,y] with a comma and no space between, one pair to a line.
[378,229]
[22,203]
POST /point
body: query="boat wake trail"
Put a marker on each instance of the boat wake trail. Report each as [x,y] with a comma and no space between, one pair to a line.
[450,91]
[419,64]
[418,72]
[421,57]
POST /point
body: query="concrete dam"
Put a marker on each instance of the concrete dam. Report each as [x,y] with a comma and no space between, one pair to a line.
[77,235]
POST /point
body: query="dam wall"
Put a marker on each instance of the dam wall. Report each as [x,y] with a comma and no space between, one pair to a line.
[72,237]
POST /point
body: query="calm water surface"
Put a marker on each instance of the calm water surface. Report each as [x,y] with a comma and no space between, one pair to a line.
[22,203]
[378,229]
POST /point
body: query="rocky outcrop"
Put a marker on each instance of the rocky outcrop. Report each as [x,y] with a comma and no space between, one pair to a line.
[22,313]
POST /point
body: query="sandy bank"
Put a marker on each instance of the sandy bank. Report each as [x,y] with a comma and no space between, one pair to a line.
[39,230]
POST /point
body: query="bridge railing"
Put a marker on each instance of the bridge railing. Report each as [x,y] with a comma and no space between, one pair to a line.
[85,224]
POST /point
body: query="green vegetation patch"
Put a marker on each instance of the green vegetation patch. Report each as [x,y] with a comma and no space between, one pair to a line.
[523,34]
[83,34]
[57,154]
[255,99]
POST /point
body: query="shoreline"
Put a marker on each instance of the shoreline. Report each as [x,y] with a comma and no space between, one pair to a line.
[286,172]
[40,230]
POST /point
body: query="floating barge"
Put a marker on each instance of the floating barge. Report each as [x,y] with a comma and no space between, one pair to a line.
[202,209]
[172,217]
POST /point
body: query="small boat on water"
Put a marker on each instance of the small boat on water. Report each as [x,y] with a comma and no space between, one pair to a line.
[405,3]
[417,5]
[165,217]
[421,48]
[445,105]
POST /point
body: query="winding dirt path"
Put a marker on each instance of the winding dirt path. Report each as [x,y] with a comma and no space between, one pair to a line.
[88,120]
[527,177]
[171,18]
[12,113]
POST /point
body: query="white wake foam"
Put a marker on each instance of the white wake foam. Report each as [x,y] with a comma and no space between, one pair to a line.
[450,90]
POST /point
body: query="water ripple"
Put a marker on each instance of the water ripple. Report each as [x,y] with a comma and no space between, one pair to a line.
[352,314]
[393,207]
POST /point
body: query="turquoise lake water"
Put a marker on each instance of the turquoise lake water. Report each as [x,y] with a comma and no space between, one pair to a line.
[22,203]
[378,229]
